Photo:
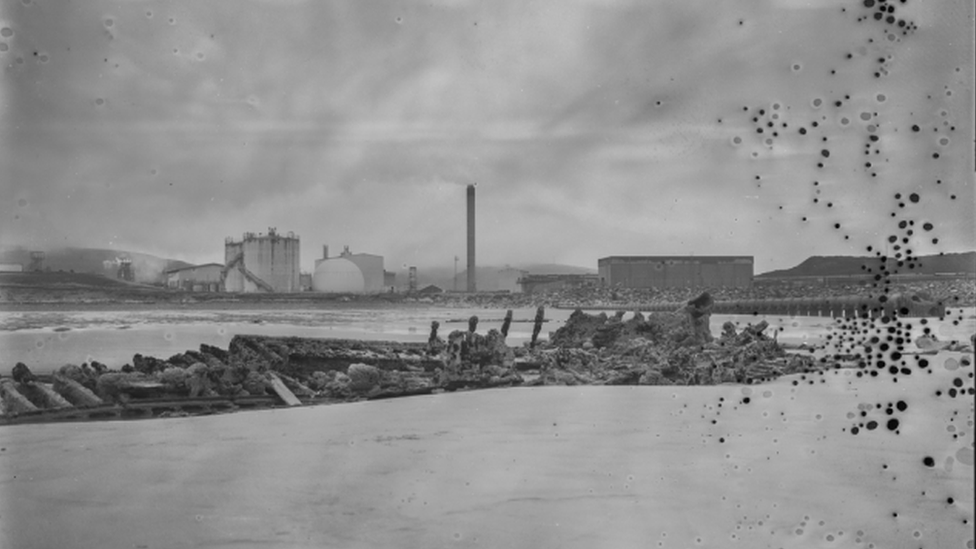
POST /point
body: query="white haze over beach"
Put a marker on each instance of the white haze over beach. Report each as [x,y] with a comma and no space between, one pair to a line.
[525,467]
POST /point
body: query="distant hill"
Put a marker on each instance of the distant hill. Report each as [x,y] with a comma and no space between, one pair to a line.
[852,265]
[147,268]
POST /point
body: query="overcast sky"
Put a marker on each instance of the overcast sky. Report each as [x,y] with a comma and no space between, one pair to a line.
[591,128]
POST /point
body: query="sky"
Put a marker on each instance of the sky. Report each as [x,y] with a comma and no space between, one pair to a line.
[590,127]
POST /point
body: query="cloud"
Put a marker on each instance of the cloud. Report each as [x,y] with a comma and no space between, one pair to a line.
[588,126]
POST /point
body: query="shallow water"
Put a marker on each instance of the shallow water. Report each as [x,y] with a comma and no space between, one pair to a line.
[47,340]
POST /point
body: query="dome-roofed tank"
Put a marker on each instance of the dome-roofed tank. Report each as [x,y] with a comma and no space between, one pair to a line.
[338,275]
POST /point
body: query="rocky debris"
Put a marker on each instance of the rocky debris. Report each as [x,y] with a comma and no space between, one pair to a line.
[197,380]
[255,384]
[363,377]
[147,364]
[122,386]
[434,343]
[21,373]
[475,360]
[84,375]
[662,349]
[699,311]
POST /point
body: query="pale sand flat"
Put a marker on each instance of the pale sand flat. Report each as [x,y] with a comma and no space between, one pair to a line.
[541,467]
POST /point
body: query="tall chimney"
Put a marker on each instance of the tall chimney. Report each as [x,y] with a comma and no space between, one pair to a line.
[325,251]
[472,285]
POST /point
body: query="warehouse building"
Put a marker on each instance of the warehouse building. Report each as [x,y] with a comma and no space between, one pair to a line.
[350,273]
[196,278]
[262,263]
[532,284]
[676,271]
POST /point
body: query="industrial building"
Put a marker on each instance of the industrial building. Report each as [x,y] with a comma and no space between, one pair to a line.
[196,278]
[389,281]
[676,271]
[125,271]
[262,263]
[350,273]
[508,279]
[549,282]
[305,281]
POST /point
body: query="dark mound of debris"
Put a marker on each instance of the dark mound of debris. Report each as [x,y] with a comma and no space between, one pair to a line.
[663,349]
[656,349]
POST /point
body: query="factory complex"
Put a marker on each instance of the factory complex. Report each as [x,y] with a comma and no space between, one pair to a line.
[270,263]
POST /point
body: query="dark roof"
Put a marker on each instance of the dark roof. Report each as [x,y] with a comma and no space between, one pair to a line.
[168,271]
[688,258]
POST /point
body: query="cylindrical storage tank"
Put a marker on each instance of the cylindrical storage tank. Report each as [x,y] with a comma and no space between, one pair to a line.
[338,275]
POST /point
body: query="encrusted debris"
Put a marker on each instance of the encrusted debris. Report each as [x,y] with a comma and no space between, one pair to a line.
[655,349]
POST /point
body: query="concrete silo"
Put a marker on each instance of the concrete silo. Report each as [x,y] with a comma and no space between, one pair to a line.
[262,263]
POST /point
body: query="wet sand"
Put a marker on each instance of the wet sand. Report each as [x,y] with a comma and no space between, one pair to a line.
[524,467]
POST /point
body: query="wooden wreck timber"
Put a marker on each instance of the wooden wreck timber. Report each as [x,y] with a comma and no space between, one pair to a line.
[675,347]
[301,356]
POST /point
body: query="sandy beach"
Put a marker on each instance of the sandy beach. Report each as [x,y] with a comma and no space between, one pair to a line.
[772,465]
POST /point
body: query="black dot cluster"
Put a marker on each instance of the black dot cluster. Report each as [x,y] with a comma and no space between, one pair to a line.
[882,13]
[883,417]
[935,136]
[768,123]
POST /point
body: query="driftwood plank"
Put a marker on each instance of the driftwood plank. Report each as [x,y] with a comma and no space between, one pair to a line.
[13,401]
[282,391]
[75,392]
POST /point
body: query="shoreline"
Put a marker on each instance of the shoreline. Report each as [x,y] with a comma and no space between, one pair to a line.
[216,305]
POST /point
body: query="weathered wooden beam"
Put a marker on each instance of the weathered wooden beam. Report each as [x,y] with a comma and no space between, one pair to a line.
[282,391]
[51,399]
[13,401]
